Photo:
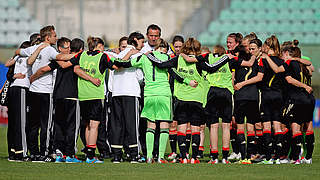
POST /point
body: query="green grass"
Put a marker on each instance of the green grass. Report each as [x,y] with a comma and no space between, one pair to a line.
[29,170]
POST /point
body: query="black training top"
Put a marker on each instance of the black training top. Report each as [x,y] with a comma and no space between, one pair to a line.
[242,73]
[293,69]
[272,80]
[66,82]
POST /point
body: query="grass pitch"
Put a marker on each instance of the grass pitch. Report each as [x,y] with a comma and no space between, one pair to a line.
[125,170]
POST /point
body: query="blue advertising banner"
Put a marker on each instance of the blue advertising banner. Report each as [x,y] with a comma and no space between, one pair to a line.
[3,73]
[316,114]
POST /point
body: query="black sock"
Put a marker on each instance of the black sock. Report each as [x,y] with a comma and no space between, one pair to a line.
[259,142]
[279,144]
[214,154]
[297,142]
[90,152]
[195,144]
[233,138]
[173,141]
[267,144]
[309,144]
[286,143]
[242,144]
[225,153]
[188,140]
[181,137]
[250,145]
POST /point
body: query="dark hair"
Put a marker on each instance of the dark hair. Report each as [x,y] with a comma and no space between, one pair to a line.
[257,42]
[295,42]
[76,45]
[25,44]
[62,41]
[191,46]
[93,42]
[46,31]
[293,51]
[237,36]
[154,27]
[124,38]
[177,38]
[35,39]
[161,43]
[242,52]
[218,50]
[134,35]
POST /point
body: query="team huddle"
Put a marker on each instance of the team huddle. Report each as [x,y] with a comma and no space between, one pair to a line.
[129,101]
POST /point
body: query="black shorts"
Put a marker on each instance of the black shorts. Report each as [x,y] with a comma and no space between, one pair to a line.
[189,111]
[246,108]
[219,104]
[174,104]
[91,110]
[271,106]
[300,113]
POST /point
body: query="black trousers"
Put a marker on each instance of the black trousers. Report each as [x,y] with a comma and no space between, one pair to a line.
[103,144]
[67,123]
[17,116]
[125,123]
[41,107]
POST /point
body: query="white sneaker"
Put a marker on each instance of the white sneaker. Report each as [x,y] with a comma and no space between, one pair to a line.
[277,161]
[234,156]
[224,161]
[301,153]
[285,161]
[184,161]
[306,161]
[213,161]
[297,162]
[188,156]
[172,156]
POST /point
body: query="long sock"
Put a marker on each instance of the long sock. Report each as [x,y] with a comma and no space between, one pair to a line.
[195,144]
[279,144]
[242,143]
[250,144]
[309,144]
[188,140]
[267,144]
[259,142]
[214,154]
[182,144]
[91,149]
[286,143]
[233,138]
[164,135]
[150,141]
[297,142]
[225,152]
[173,140]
